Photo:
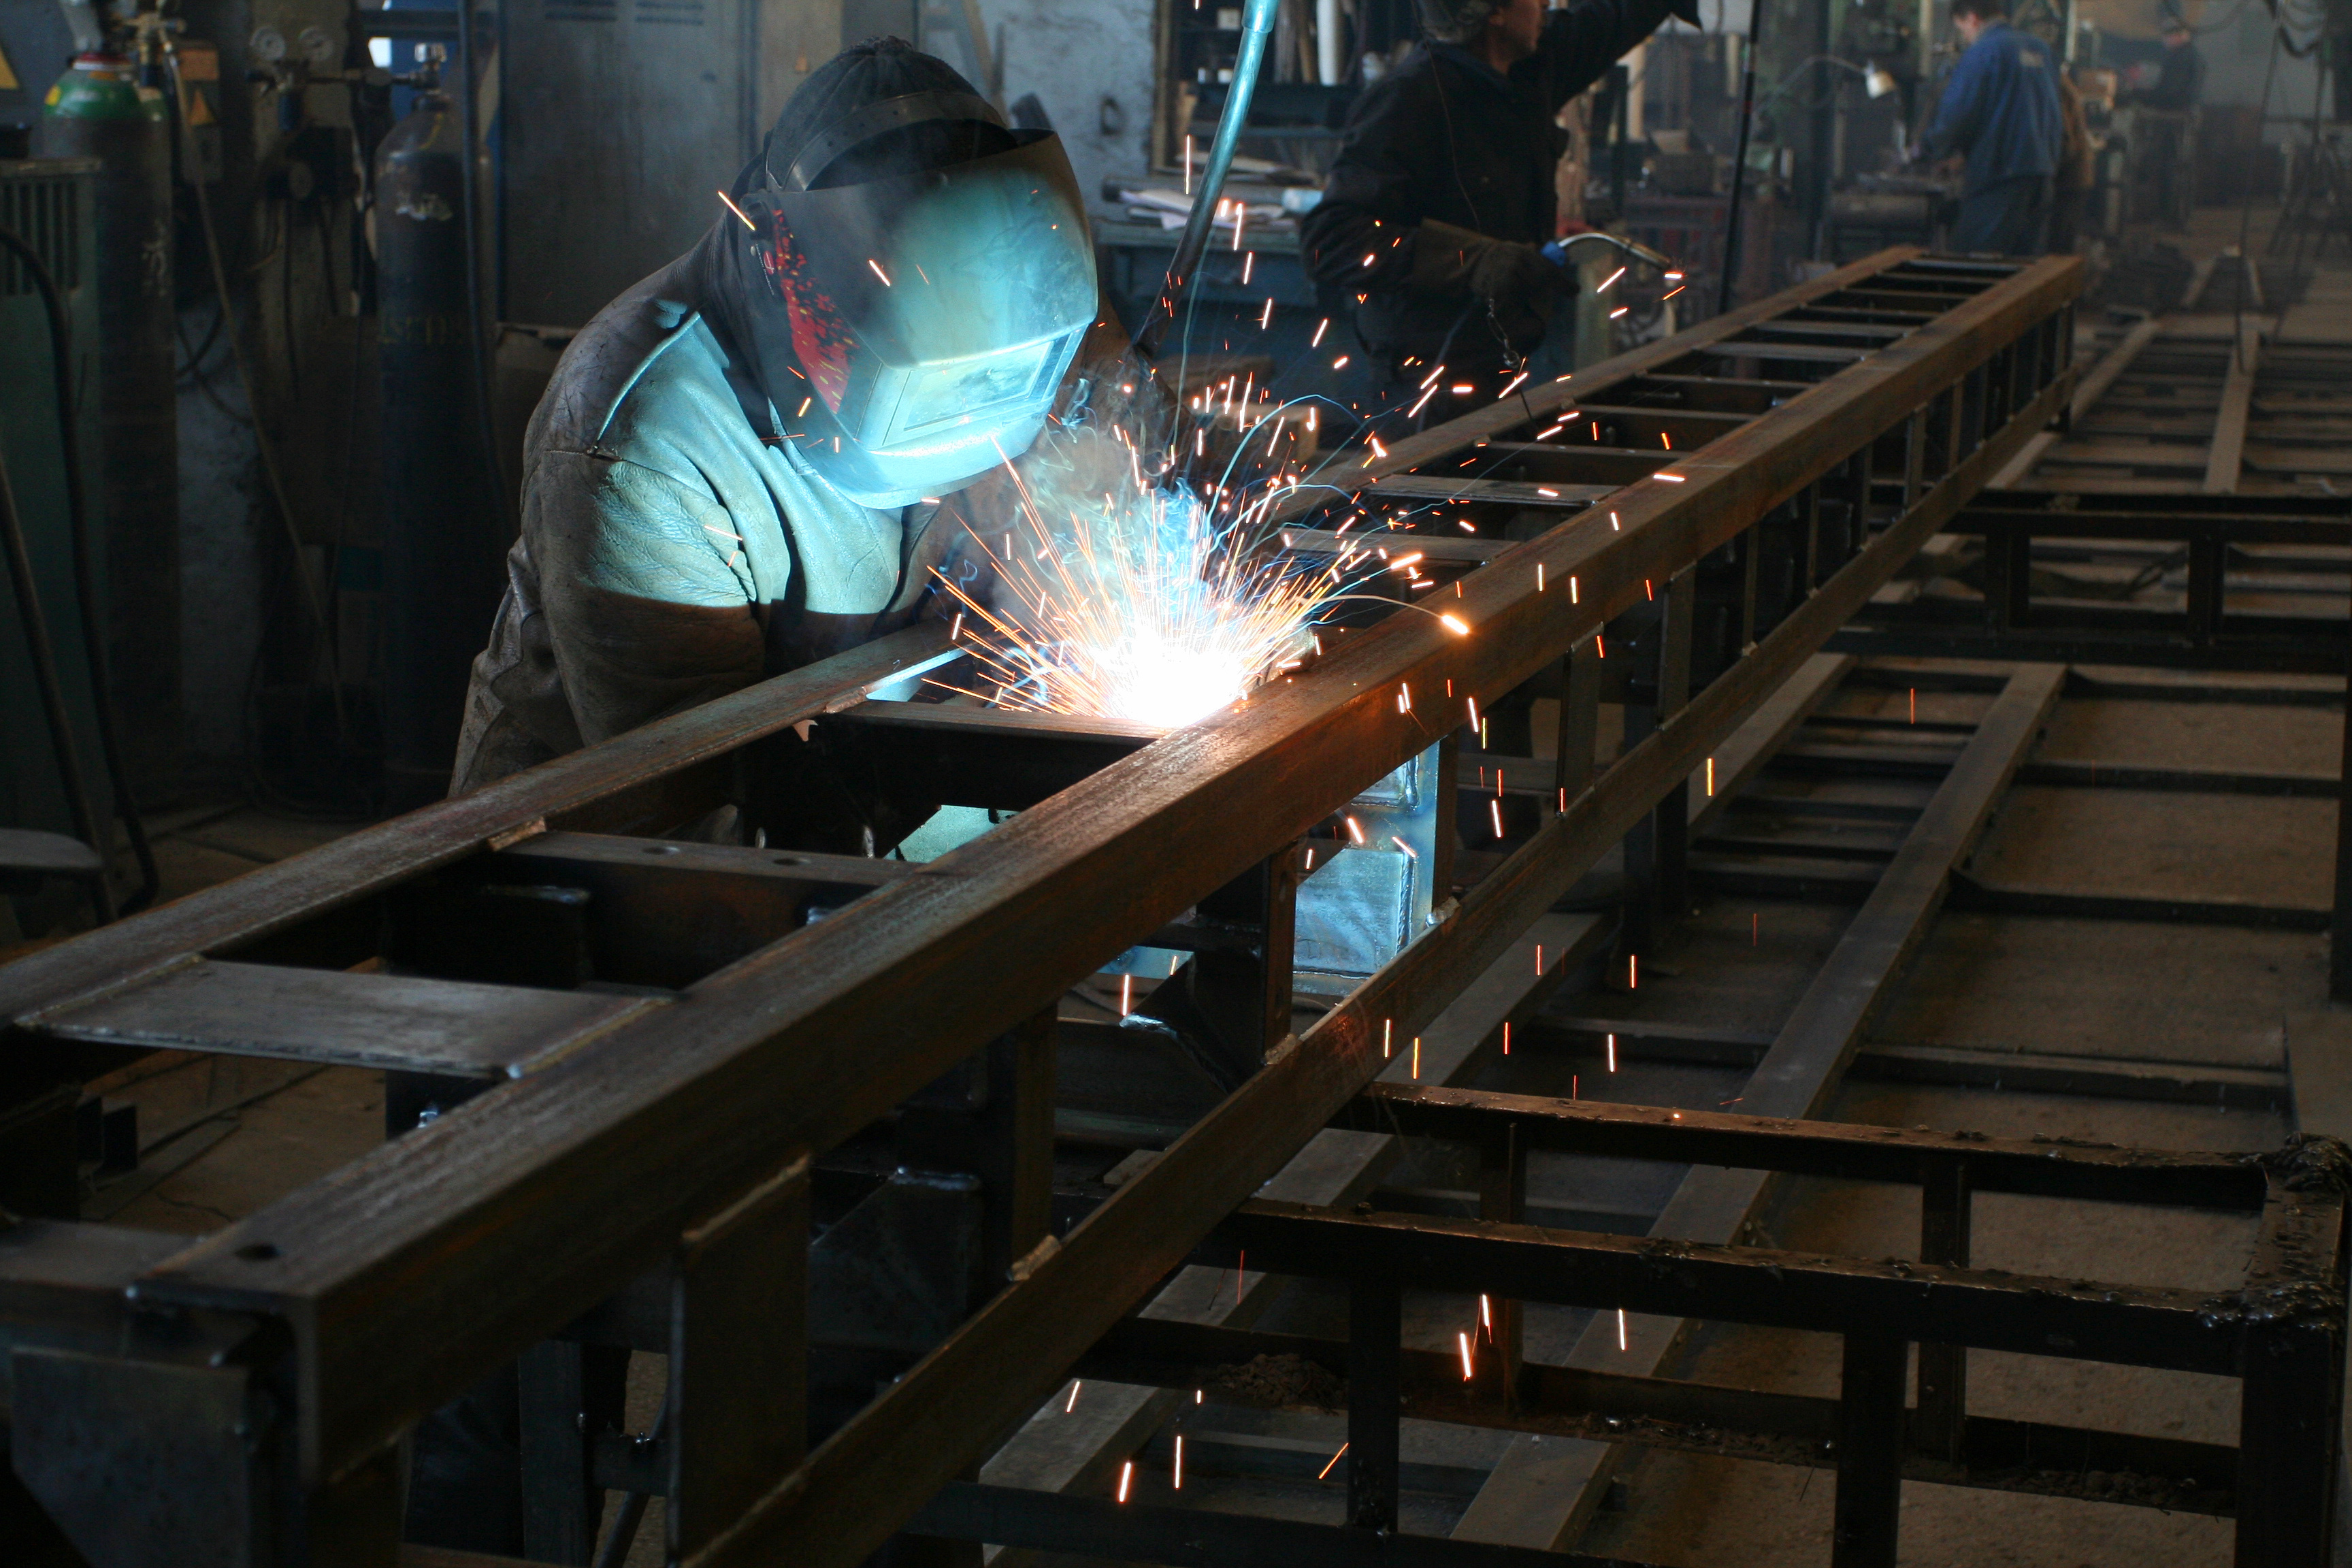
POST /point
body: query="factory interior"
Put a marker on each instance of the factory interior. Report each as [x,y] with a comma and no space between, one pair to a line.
[1581,769]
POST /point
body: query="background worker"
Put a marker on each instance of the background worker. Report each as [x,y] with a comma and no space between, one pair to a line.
[2000,112]
[1429,234]
[2164,123]
[2179,84]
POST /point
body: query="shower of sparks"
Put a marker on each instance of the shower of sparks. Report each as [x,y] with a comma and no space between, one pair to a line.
[1138,600]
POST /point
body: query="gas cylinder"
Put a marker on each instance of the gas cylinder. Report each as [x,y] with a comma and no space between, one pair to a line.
[99,109]
[444,543]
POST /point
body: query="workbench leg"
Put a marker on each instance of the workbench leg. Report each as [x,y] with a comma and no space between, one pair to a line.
[1230,1008]
[1016,1144]
[1503,1197]
[2339,931]
[1375,1357]
[2008,576]
[1673,812]
[1579,721]
[558,1524]
[1941,1426]
[2289,1425]
[738,1357]
[1870,1453]
[2208,565]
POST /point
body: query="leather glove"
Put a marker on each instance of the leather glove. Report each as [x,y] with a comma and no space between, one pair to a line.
[1514,279]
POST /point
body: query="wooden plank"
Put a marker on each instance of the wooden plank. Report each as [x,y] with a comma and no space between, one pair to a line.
[515,1208]
[2087,393]
[1542,1495]
[2229,423]
[332,1016]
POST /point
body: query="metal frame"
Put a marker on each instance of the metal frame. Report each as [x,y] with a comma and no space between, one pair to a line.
[657,1131]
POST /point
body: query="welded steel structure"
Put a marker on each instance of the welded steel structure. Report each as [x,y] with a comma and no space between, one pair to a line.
[641,1171]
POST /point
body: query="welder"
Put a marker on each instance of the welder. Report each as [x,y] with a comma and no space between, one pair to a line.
[739,468]
[1429,235]
[738,465]
[1999,112]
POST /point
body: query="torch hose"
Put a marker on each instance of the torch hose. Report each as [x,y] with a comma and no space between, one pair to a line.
[1257,25]
[85,563]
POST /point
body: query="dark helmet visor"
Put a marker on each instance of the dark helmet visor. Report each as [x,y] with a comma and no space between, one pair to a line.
[934,314]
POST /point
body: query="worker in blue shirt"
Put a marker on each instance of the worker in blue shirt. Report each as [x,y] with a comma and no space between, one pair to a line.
[1999,111]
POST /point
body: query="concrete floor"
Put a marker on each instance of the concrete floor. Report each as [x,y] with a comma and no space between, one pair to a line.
[224,1136]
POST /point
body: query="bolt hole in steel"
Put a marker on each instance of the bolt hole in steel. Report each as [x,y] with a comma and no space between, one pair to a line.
[258,1251]
[661,848]
[790,860]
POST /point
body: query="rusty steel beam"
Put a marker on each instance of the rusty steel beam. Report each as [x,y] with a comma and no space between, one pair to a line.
[451,1249]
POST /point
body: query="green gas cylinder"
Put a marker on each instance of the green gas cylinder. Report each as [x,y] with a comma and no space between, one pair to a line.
[98,108]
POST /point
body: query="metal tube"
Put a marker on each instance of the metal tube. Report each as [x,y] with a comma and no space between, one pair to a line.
[1257,24]
[1740,156]
[43,654]
[93,633]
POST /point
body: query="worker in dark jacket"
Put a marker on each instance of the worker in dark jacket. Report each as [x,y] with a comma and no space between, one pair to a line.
[2164,134]
[1430,229]
[2179,84]
[1999,112]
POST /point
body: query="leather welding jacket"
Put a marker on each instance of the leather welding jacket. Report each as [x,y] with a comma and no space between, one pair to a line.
[1444,137]
[673,547]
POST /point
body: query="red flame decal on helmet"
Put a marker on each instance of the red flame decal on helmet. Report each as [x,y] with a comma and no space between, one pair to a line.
[821,337]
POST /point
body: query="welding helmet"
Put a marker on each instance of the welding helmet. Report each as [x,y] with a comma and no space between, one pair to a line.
[929,313]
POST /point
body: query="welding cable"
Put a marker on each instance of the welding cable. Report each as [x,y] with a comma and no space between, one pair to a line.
[477,330]
[1257,25]
[44,655]
[263,444]
[1740,159]
[85,559]
[632,1512]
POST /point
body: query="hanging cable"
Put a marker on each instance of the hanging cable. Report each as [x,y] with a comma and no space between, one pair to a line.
[85,560]
[263,444]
